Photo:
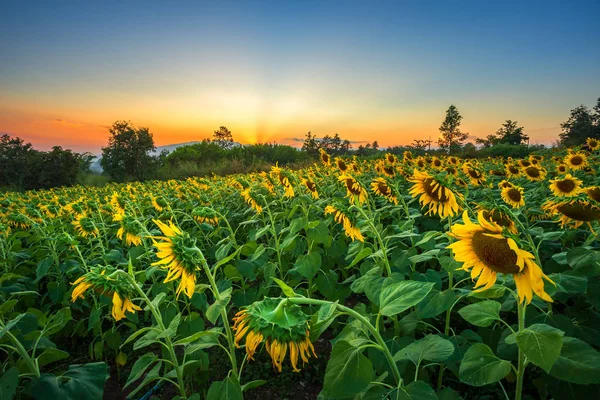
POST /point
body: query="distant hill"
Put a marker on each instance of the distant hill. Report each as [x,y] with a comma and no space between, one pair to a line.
[96,167]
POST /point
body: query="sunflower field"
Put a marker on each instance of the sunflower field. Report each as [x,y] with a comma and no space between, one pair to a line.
[400,278]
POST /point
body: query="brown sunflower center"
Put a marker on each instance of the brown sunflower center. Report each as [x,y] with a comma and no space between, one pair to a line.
[325,158]
[353,187]
[383,189]
[388,170]
[566,186]
[513,169]
[437,163]
[593,144]
[498,218]
[514,195]
[576,160]
[438,194]
[495,253]
[342,165]
[562,168]
[525,163]
[473,174]
[311,186]
[532,172]
[579,211]
[594,193]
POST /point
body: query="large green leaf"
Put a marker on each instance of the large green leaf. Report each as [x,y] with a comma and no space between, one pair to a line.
[214,310]
[8,383]
[578,363]
[418,390]
[228,389]
[308,265]
[397,297]
[480,366]
[541,344]
[437,304]
[348,371]
[140,366]
[430,348]
[79,382]
[481,314]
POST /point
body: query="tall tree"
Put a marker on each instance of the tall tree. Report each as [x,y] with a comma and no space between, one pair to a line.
[452,138]
[582,124]
[509,133]
[127,155]
[223,138]
[311,145]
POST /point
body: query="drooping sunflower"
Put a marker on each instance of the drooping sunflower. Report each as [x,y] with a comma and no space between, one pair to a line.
[85,226]
[381,187]
[440,199]
[593,192]
[249,198]
[477,177]
[512,171]
[576,160]
[281,325]
[284,179]
[158,203]
[574,211]
[325,158]
[497,215]
[534,173]
[593,144]
[99,278]
[513,196]
[388,170]
[407,156]
[486,251]
[205,215]
[568,186]
[342,216]
[177,255]
[341,164]
[311,186]
[130,228]
[354,189]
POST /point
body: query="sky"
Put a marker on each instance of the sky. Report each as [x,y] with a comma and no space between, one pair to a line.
[271,71]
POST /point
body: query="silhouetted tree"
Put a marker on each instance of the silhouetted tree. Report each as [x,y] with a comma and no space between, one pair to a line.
[582,123]
[128,152]
[311,145]
[223,138]
[509,133]
[451,137]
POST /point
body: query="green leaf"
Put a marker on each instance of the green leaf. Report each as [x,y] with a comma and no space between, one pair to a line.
[228,389]
[308,265]
[214,310]
[426,256]
[79,382]
[397,297]
[494,292]
[348,371]
[481,314]
[437,304]
[480,366]
[580,257]
[365,252]
[196,336]
[578,363]
[172,328]
[58,321]
[253,384]
[140,366]
[541,344]
[418,390]
[288,291]
[430,348]
[43,267]
[50,355]
[10,324]
[8,383]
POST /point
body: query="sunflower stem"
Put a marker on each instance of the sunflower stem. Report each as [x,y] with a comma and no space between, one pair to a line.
[521,365]
[448,311]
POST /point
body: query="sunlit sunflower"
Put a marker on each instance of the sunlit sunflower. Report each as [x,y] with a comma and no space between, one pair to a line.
[477,178]
[311,186]
[85,226]
[284,179]
[568,186]
[391,158]
[388,170]
[561,168]
[505,184]
[524,163]
[342,216]
[205,215]
[575,211]
[130,228]
[341,164]
[354,189]
[534,173]
[512,171]
[486,251]
[593,192]
[497,172]
[98,278]
[381,188]
[325,158]
[177,255]
[281,325]
[576,160]
[453,160]
[159,203]
[593,144]
[513,196]
[249,198]
[501,218]
[436,163]
[421,162]
[451,171]
[440,199]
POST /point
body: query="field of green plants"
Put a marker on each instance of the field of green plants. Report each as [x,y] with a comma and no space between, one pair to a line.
[401,278]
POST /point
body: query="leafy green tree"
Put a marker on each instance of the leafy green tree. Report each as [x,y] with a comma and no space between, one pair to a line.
[127,155]
[509,133]
[582,124]
[223,138]
[15,155]
[311,145]
[452,138]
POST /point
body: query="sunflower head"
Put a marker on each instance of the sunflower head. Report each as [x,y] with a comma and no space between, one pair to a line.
[593,193]
[325,158]
[354,189]
[436,163]
[281,325]
[513,196]
[486,251]
[505,184]
[390,158]
[576,160]
[205,215]
[311,186]
[593,144]
[534,173]
[574,211]
[561,168]
[341,164]
[512,171]
[475,175]
[129,228]
[382,188]
[85,226]
[407,156]
[250,198]
[342,216]
[498,214]
[434,192]
[567,186]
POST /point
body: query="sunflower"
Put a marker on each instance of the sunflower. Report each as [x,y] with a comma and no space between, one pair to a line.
[505,184]
[177,255]
[311,186]
[251,200]
[391,158]
[130,228]
[84,226]
[499,217]
[453,160]
[512,171]
[98,279]
[159,204]
[476,176]
[593,192]
[576,160]
[341,216]
[593,144]
[561,168]
[436,163]
[355,191]
[282,326]
[341,164]
[381,187]
[421,163]
[205,215]
[325,158]
[486,251]
[524,163]
[284,179]
[576,211]
[407,156]
[440,199]
[388,170]
[513,196]
[451,171]
[534,173]
[568,186]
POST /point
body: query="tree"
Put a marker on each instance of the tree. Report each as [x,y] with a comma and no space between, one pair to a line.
[509,133]
[451,137]
[128,152]
[420,144]
[223,138]
[311,145]
[15,156]
[582,124]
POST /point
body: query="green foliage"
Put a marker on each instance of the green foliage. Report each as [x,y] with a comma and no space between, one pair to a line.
[582,124]
[451,137]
